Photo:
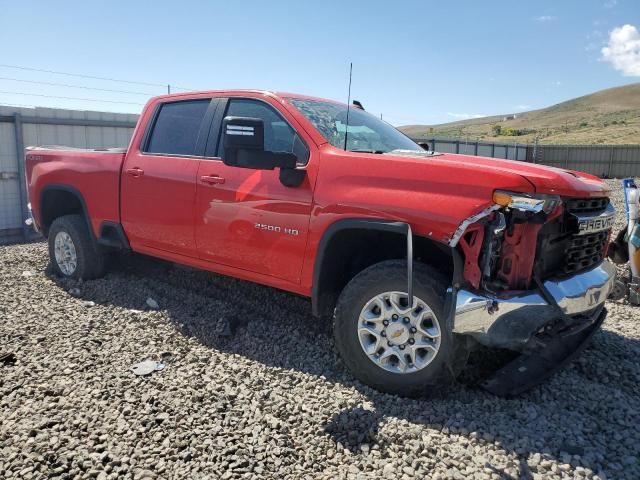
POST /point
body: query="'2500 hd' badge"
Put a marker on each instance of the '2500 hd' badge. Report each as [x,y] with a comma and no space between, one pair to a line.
[276,229]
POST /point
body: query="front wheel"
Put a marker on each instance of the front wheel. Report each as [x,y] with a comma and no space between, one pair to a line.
[72,250]
[387,343]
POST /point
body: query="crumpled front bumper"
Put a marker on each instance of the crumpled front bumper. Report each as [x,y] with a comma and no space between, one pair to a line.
[511,321]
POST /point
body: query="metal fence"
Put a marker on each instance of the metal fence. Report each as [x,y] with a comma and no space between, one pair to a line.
[607,161]
[20,127]
[511,151]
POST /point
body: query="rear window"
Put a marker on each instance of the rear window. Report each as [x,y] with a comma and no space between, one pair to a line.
[175,131]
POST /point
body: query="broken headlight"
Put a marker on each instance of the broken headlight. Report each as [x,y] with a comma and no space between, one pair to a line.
[526,202]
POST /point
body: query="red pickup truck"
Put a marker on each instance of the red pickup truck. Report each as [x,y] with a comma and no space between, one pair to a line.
[417,256]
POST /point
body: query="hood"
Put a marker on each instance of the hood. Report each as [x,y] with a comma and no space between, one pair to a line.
[544,179]
[435,193]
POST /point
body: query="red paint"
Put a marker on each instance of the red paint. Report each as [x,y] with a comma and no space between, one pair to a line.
[200,212]
[95,175]
[254,210]
[471,244]
[518,255]
[158,206]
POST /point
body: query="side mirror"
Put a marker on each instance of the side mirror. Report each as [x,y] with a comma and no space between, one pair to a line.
[243,140]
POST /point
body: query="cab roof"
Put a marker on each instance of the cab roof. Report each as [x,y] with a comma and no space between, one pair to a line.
[271,93]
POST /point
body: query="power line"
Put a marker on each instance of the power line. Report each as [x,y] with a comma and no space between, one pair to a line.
[80,75]
[16,105]
[69,98]
[107,89]
[77,86]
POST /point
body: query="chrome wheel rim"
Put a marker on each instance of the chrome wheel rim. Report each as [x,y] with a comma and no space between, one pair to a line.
[397,337]
[65,252]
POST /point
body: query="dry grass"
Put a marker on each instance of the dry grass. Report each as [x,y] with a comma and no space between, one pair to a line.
[609,116]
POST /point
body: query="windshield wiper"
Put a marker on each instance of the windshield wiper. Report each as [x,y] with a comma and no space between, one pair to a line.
[364,150]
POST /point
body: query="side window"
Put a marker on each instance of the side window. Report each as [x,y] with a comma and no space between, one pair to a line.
[176,128]
[278,134]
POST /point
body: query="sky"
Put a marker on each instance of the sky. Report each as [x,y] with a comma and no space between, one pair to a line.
[414,62]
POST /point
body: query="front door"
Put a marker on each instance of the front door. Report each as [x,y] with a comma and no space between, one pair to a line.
[159,179]
[247,218]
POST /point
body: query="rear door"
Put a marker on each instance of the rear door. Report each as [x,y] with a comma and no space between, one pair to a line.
[159,177]
[247,218]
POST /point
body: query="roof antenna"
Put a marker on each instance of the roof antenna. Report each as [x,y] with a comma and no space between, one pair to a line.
[346,131]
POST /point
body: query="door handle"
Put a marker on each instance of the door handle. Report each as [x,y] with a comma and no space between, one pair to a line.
[212,179]
[135,172]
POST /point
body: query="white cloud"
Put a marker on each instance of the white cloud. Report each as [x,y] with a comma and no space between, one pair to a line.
[545,18]
[623,50]
[523,107]
[466,116]
[610,3]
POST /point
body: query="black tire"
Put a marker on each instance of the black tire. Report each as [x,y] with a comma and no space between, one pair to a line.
[387,276]
[90,259]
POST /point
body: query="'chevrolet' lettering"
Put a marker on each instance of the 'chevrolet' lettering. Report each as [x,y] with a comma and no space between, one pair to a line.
[592,225]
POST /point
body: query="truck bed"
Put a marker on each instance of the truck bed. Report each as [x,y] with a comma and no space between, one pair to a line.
[92,173]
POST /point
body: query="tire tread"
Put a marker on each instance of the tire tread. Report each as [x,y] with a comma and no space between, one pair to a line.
[426,279]
[91,260]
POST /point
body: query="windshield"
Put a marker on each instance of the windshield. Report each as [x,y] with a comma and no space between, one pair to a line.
[367,133]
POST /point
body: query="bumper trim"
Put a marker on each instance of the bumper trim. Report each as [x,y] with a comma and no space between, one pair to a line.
[510,321]
[529,370]
[584,291]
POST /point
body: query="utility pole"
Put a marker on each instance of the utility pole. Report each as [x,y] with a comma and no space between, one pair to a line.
[168,89]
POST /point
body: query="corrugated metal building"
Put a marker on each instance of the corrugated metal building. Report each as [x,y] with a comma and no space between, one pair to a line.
[21,127]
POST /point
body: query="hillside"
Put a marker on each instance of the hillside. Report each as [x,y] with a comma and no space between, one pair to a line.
[609,116]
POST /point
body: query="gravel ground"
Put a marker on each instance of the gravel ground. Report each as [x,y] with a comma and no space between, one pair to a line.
[255,390]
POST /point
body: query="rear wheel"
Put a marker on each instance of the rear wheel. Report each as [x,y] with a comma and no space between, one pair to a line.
[389,344]
[72,250]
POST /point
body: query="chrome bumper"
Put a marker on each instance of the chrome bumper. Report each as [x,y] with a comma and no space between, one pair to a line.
[510,321]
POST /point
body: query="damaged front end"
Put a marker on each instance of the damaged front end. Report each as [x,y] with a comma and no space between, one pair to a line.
[533,280]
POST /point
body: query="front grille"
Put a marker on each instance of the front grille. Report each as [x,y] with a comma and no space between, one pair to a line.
[584,251]
[582,206]
[561,251]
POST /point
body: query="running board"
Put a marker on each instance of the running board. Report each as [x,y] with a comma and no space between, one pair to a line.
[530,369]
